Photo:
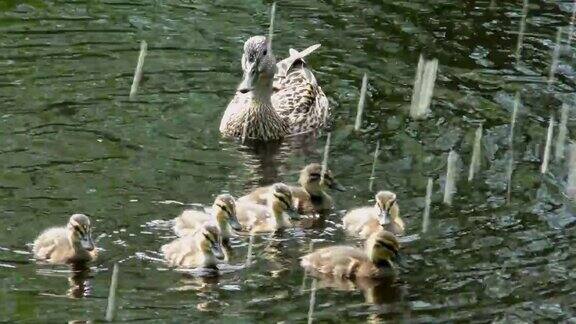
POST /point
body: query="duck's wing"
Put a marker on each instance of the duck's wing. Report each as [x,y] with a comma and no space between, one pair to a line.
[284,66]
[232,123]
[298,98]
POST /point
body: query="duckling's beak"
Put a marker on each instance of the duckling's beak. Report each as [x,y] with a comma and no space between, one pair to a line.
[336,186]
[87,243]
[217,251]
[247,83]
[383,218]
[234,223]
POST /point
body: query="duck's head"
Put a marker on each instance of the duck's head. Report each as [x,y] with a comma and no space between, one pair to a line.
[387,207]
[225,210]
[382,247]
[281,198]
[211,242]
[258,64]
[80,232]
[312,180]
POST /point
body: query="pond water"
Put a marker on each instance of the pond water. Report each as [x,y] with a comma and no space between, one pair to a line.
[71,141]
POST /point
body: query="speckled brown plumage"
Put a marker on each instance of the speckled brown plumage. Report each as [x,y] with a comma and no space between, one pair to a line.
[274,101]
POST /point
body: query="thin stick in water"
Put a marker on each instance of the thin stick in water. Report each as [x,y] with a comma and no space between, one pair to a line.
[547,148]
[510,170]
[244,130]
[138,71]
[111,308]
[476,153]
[555,57]
[427,205]
[312,301]
[521,32]
[249,253]
[271,28]
[513,119]
[310,249]
[326,155]
[450,186]
[562,131]
[423,87]
[361,103]
[571,26]
[373,173]
[571,183]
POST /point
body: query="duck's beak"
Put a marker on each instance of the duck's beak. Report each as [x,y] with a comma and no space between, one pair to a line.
[336,186]
[383,218]
[234,223]
[247,83]
[87,243]
[217,251]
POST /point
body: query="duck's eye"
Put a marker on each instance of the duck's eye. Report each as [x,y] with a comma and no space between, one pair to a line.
[264,53]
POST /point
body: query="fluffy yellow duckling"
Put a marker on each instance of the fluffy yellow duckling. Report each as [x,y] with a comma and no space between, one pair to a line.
[384,214]
[259,218]
[202,249]
[223,216]
[351,262]
[310,196]
[68,244]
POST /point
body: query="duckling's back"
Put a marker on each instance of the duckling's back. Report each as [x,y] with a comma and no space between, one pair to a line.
[52,243]
[339,261]
[189,221]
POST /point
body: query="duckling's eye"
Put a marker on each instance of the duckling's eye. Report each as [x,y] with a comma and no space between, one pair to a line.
[264,53]
[78,229]
[387,246]
[224,209]
[391,204]
[209,238]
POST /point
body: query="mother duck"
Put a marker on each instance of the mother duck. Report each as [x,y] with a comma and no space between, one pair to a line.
[274,100]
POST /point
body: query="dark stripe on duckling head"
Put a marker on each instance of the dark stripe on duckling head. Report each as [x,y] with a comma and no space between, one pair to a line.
[225,209]
[284,201]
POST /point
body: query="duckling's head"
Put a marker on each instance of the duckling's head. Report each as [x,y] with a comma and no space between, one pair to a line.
[382,247]
[311,179]
[258,64]
[211,241]
[225,209]
[80,231]
[281,198]
[387,207]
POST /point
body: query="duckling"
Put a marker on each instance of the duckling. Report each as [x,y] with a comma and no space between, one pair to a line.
[202,249]
[351,262]
[269,105]
[260,218]
[384,214]
[310,197]
[223,217]
[68,244]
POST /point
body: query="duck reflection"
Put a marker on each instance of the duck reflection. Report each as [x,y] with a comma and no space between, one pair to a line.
[79,281]
[200,282]
[376,291]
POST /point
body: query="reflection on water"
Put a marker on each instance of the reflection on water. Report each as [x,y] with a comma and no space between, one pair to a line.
[72,141]
[79,281]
